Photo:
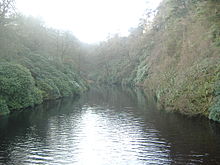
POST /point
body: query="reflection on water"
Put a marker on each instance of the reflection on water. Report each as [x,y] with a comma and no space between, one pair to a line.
[106,126]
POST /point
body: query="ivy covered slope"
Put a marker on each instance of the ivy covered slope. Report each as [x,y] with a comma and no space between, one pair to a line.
[34,66]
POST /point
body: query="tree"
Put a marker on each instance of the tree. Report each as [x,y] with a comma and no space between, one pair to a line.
[7,7]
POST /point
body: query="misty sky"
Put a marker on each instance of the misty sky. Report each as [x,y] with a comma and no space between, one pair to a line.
[89,20]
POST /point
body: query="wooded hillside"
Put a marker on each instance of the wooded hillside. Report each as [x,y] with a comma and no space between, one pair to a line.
[177,55]
[36,63]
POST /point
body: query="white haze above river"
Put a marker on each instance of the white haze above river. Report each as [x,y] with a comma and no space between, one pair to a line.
[90,20]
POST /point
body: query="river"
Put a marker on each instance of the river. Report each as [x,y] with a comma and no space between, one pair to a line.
[106,126]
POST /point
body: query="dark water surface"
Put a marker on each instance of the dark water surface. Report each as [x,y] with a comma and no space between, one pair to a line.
[106,126]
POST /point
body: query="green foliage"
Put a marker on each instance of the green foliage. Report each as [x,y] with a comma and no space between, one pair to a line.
[17,86]
[217,85]
[55,80]
[48,88]
[21,87]
[114,61]
[215,111]
[215,34]
[142,73]
[215,108]
[3,107]
[195,94]
[209,13]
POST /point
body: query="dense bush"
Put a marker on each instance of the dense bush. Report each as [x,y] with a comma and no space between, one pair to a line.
[48,88]
[17,86]
[3,107]
[215,110]
[30,78]
[54,79]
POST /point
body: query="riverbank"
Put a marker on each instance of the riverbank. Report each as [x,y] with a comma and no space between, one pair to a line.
[34,79]
[184,63]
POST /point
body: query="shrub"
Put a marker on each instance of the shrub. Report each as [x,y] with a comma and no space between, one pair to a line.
[215,108]
[52,78]
[17,86]
[215,111]
[48,88]
[3,107]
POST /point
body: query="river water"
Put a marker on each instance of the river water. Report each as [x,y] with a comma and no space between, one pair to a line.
[106,126]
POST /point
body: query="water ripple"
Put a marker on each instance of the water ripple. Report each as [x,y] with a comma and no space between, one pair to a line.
[100,133]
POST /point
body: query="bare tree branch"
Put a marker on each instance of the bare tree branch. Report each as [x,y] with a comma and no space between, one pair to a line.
[7,7]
